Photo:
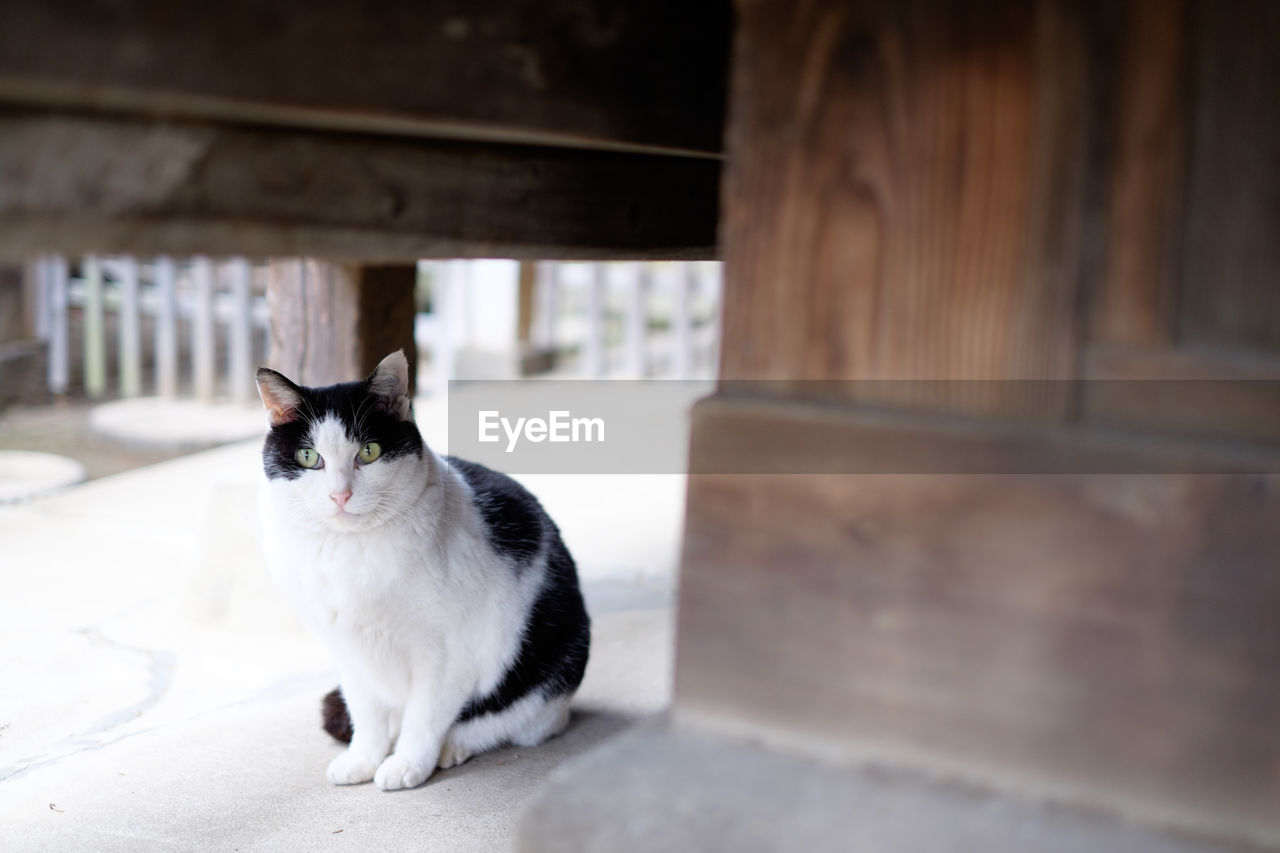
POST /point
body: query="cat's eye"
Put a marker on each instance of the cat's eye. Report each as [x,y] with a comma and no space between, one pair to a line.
[370,452]
[307,457]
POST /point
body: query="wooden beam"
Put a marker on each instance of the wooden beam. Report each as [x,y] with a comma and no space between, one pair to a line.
[613,73]
[78,184]
[1100,639]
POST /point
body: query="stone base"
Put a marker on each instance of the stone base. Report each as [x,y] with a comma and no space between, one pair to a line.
[657,789]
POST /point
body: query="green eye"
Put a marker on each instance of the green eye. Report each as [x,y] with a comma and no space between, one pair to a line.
[307,457]
[370,452]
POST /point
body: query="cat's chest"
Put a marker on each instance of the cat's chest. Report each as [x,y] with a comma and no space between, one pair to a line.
[345,578]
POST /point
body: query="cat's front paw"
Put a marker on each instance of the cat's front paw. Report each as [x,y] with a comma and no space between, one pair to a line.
[351,768]
[395,773]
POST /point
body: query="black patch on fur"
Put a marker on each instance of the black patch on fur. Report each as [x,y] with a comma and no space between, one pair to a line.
[364,415]
[553,650]
[513,518]
[557,638]
[337,722]
[557,633]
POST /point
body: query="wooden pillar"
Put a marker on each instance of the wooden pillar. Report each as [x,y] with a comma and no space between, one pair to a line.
[537,355]
[22,354]
[334,323]
[916,538]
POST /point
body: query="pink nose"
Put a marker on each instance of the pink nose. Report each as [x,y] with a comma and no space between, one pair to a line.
[340,498]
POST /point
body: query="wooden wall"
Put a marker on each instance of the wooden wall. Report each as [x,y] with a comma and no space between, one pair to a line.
[1058,580]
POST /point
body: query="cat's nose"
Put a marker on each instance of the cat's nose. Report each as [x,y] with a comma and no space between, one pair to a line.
[340,498]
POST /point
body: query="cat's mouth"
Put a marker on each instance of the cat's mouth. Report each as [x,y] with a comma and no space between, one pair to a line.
[344,515]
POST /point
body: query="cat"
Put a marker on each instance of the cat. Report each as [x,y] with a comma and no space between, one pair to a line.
[442,588]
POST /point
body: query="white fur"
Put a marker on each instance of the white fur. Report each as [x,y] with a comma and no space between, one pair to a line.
[419,612]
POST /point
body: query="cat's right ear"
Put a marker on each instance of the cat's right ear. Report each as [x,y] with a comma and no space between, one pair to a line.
[390,382]
[282,398]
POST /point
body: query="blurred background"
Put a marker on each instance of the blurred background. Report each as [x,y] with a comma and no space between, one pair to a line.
[115,362]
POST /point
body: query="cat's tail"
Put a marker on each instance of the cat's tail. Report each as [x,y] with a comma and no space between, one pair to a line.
[333,711]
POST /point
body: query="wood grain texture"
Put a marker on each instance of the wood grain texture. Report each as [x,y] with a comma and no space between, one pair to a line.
[1104,639]
[609,73]
[78,184]
[1230,277]
[1135,302]
[334,323]
[904,196]
[772,434]
[1202,393]
[15,322]
[386,316]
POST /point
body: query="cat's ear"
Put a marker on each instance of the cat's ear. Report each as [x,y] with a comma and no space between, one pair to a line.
[390,381]
[281,397]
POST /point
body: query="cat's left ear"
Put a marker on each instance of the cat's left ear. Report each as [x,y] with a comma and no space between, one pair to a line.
[390,381]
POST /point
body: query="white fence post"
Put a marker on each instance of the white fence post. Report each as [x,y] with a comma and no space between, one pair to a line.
[59,355]
[240,332]
[681,321]
[95,344]
[446,283]
[202,328]
[129,327]
[548,293]
[715,282]
[166,341]
[638,320]
[39,299]
[593,355]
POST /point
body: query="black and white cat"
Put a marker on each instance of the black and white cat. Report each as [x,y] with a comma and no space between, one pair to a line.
[443,590]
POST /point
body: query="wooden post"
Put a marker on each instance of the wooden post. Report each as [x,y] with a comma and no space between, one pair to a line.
[333,323]
[536,354]
[15,321]
[22,353]
[877,568]
[527,277]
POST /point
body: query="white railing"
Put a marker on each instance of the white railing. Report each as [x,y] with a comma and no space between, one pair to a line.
[125,327]
[636,320]
[207,321]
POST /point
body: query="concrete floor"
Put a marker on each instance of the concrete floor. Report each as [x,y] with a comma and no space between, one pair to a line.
[158,694]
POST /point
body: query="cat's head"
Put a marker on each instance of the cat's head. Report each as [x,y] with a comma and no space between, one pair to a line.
[343,457]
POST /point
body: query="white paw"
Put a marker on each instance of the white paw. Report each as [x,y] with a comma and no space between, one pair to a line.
[395,773]
[351,769]
[451,755]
